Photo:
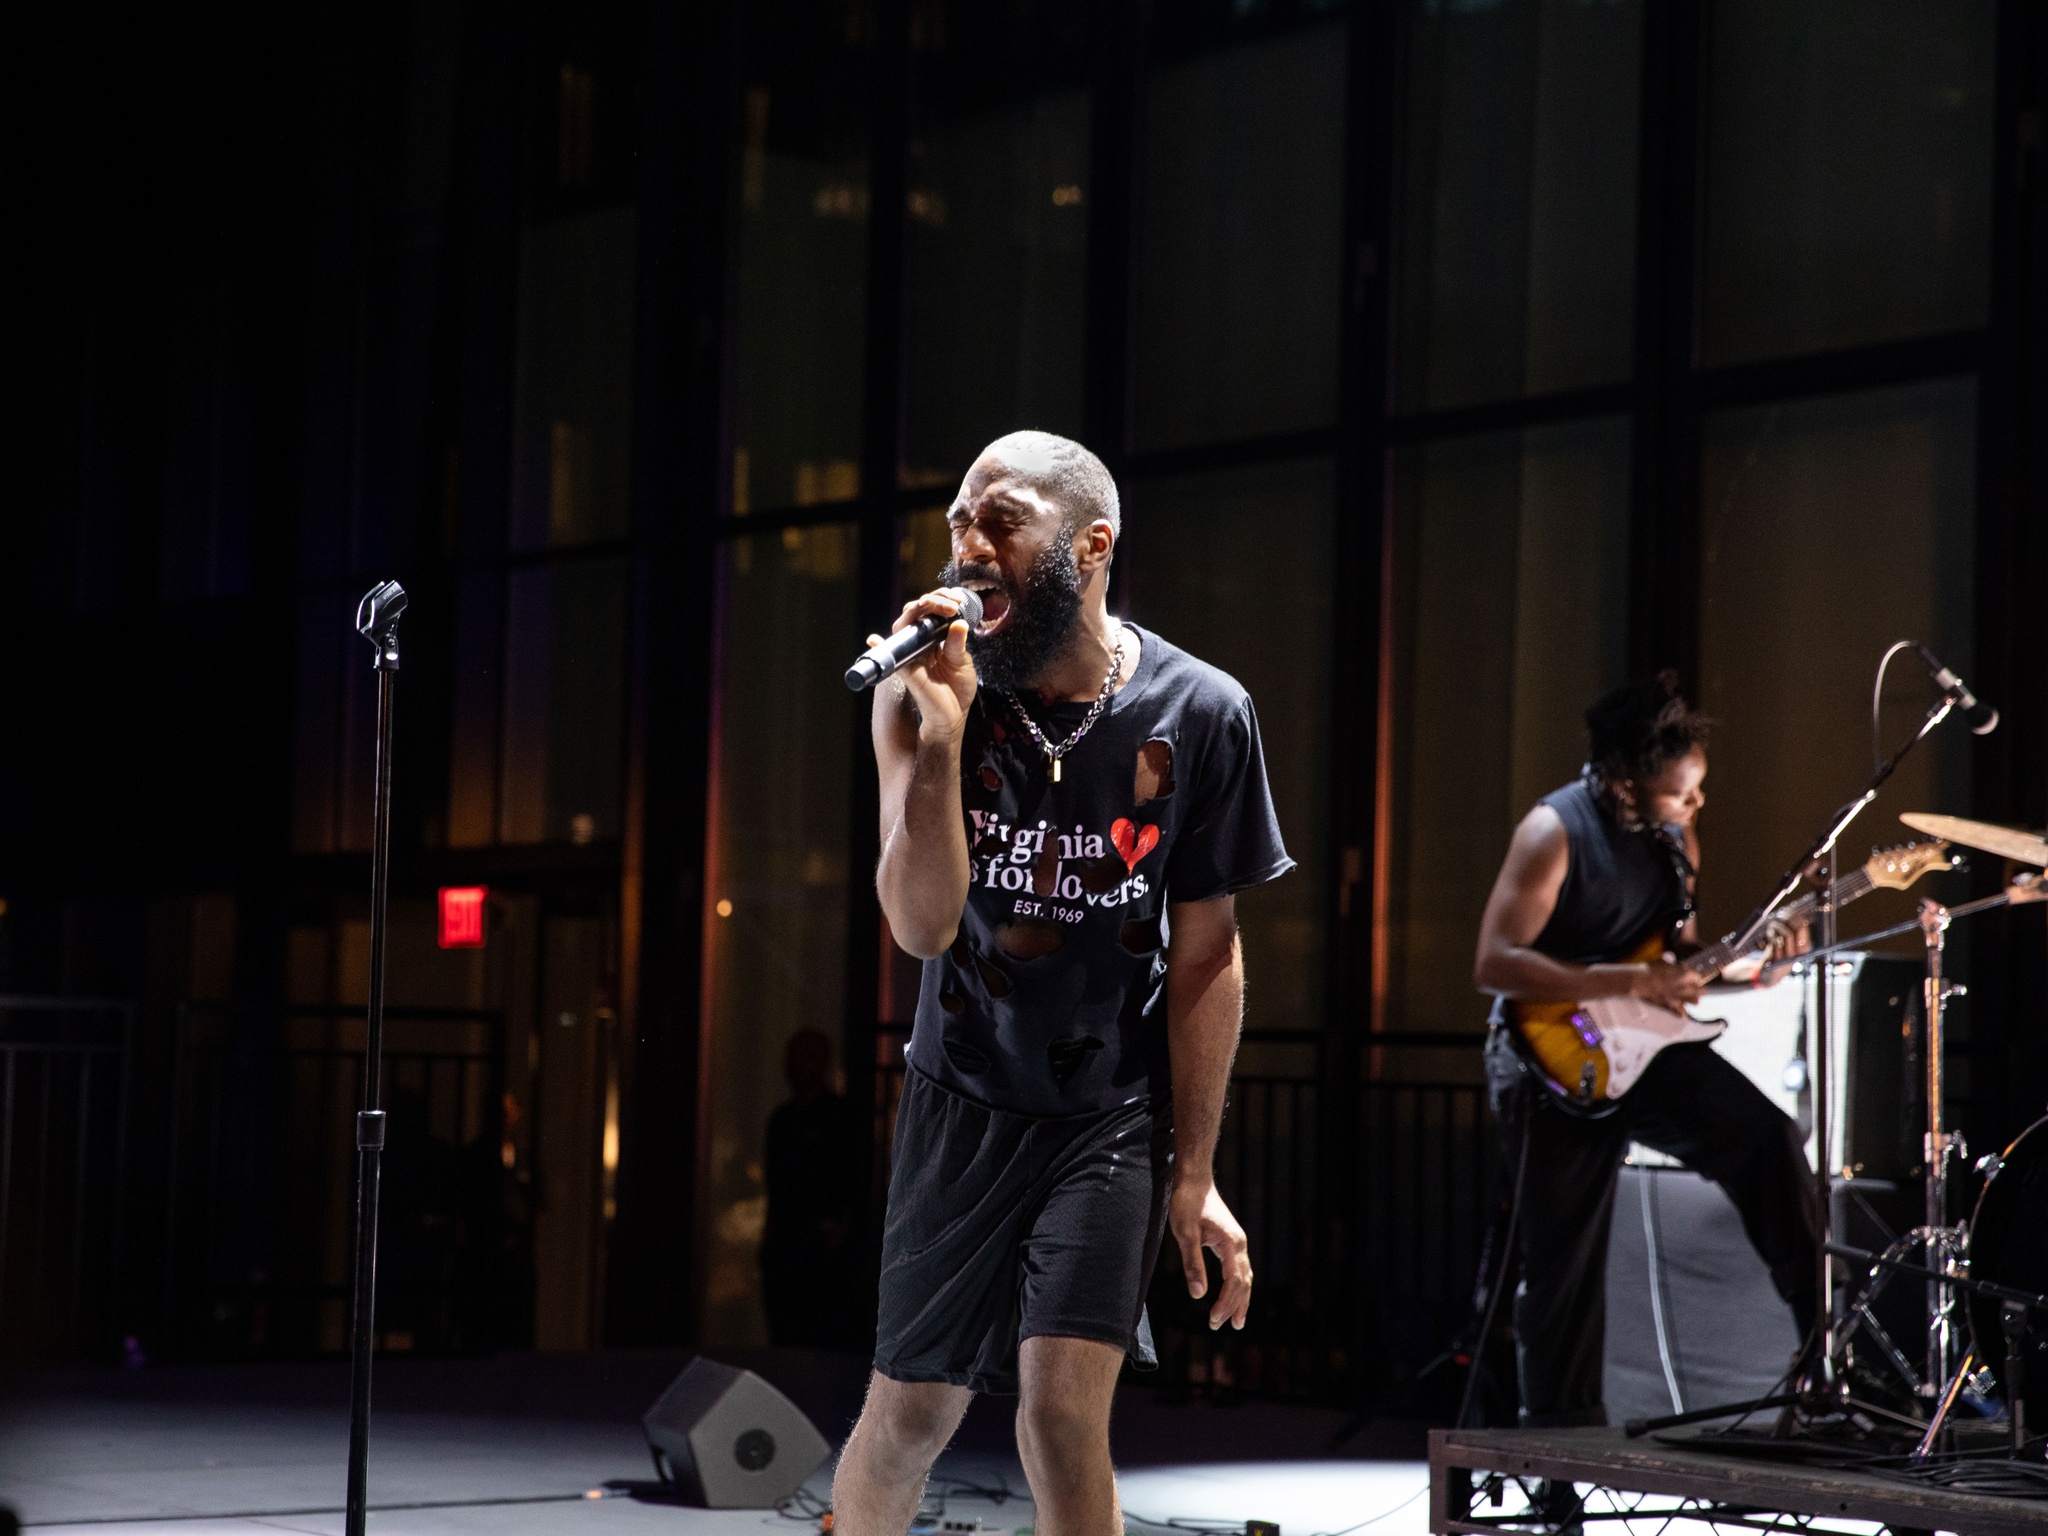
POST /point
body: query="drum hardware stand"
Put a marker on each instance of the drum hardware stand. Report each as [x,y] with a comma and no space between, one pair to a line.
[1940,1242]
[1944,1243]
[377,621]
[2014,1305]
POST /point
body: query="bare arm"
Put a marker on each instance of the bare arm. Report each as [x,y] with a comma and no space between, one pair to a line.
[1524,895]
[1204,1007]
[919,718]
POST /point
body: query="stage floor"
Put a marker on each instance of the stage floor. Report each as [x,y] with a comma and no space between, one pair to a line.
[513,1445]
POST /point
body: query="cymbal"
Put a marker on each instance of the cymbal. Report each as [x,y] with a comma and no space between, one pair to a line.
[1984,836]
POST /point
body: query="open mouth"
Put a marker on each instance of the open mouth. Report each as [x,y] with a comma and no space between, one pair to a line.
[995,606]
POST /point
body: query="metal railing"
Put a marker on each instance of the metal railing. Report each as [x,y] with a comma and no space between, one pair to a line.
[260,1184]
[1428,1168]
[1365,1217]
[65,1078]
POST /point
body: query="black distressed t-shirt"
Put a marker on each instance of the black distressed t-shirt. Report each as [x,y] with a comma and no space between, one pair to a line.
[1052,1000]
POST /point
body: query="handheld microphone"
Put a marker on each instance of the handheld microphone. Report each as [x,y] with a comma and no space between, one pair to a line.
[1981,717]
[896,651]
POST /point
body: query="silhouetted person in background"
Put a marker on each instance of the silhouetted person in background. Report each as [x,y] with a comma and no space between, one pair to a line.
[808,1249]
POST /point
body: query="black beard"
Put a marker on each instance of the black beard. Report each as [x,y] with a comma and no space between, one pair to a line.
[1041,619]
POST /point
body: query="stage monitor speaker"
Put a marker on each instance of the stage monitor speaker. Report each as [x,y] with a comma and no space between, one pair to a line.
[727,1440]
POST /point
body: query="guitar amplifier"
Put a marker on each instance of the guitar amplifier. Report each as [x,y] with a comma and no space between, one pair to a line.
[1877,1091]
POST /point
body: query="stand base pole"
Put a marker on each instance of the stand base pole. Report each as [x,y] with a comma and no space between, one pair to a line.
[377,621]
[369,1176]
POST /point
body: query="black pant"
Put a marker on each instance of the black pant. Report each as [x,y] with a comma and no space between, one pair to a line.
[1690,1104]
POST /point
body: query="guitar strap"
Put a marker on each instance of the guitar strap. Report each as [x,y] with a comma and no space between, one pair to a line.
[1668,838]
[1672,842]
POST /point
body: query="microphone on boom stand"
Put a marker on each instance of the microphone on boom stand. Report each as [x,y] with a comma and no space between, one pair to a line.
[1980,717]
[892,654]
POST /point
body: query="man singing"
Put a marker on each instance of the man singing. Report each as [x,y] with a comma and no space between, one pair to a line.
[1069,805]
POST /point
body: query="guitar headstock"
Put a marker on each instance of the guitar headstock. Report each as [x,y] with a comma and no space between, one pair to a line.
[1897,868]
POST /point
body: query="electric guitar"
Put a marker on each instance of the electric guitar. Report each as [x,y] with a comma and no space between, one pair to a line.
[1591,1053]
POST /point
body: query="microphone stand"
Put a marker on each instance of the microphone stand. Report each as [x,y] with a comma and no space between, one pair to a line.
[377,621]
[1823,846]
[1817,1356]
[1914,924]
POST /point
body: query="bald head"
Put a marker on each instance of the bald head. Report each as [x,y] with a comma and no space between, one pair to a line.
[1067,474]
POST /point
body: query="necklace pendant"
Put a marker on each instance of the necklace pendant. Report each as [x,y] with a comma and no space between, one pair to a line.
[1055,770]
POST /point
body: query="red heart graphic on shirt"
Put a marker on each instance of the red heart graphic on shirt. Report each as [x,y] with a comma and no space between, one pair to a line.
[1133,842]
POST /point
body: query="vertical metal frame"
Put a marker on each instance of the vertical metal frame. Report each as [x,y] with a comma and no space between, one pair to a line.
[681,456]
[1116,130]
[882,420]
[1361,700]
[1663,619]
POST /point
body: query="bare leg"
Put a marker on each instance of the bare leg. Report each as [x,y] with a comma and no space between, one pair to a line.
[880,1478]
[1063,1434]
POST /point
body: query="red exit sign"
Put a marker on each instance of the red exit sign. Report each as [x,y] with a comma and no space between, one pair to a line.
[462,916]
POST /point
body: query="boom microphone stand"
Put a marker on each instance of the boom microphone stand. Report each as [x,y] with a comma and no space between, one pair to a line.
[377,621]
[1819,1379]
[1817,1359]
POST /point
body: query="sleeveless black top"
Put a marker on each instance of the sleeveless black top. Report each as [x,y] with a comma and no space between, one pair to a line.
[1617,885]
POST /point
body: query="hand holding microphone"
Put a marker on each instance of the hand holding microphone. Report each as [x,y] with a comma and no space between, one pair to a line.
[942,689]
[914,636]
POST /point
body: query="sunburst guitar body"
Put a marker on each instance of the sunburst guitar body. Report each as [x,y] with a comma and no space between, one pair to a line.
[1590,1053]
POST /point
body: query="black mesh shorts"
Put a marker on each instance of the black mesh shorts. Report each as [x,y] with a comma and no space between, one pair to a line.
[1002,1228]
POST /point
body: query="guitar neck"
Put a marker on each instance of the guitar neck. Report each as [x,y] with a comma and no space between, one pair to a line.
[1712,961]
[1716,958]
[1847,889]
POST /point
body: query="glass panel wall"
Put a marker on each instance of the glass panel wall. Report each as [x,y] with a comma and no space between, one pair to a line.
[537,679]
[565,651]
[1517,270]
[996,249]
[561,720]
[573,400]
[776,874]
[925,547]
[1510,612]
[1848,172]
[1211,557]
[1829,528]
[801,258]
[334,742]
[479,689]
[1240,229]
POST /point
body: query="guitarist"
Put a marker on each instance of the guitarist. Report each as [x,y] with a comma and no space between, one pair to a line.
[1592,869]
